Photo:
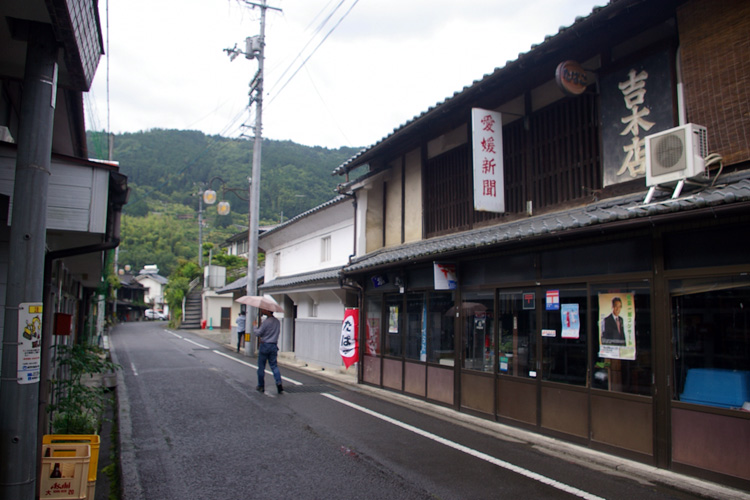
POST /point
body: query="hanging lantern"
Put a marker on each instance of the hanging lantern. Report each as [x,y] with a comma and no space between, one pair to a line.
[223,208]
[209,196]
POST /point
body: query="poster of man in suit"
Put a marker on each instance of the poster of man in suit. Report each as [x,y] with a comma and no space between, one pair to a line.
[616,325]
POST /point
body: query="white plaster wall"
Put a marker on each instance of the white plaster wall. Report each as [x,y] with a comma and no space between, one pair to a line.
[212,304]
[303,255]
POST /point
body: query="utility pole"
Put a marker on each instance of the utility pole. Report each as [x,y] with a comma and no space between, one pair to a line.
[19,389]
[200,230]
[255,48]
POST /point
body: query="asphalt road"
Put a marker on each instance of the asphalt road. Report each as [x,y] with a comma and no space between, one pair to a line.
[195,428]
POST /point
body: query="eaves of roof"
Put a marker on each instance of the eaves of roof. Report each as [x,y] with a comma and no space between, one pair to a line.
[241,283]
[324,278]
[297,218]
[732,193]
[565,35]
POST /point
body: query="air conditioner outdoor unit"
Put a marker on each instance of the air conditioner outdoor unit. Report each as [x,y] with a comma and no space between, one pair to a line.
[676,155]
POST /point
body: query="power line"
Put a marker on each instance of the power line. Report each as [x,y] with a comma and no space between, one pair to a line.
[313,52]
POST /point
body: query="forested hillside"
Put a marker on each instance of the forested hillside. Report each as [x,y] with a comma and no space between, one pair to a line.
[167,169]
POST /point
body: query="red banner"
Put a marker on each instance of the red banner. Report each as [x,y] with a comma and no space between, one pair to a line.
[348,347]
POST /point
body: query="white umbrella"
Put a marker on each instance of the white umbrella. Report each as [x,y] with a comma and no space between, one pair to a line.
[260,302]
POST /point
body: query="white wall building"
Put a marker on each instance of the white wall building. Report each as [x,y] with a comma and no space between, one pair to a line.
[303,260]
[154,283]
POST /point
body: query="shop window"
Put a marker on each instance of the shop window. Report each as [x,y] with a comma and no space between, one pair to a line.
[416,324]
[440,323]
[516,319]
[711,328]
[373,328]
[393,318]
[726,246]
[621,256]
[477,311]
[564,336]
[623,359]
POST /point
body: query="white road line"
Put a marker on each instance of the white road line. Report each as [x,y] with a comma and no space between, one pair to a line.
[477,454]
[173,333]
[286,379]
[196,343]
[132,367]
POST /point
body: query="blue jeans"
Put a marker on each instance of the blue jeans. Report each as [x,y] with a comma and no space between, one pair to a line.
[268,352]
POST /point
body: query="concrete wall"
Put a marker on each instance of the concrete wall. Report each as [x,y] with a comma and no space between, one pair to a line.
[316,342]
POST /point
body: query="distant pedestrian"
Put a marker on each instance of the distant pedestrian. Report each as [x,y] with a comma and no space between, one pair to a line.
[268,335]
[240,329]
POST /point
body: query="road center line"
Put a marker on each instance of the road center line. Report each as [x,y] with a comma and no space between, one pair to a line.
[470,451]
[286,379]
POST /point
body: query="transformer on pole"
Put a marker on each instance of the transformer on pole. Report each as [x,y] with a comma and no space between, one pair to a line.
[254,49]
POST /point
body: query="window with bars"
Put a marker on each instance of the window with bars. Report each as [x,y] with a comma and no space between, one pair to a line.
[325,249]
[556,161]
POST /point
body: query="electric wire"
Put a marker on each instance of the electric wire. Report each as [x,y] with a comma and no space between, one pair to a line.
[313,52]
[309,41]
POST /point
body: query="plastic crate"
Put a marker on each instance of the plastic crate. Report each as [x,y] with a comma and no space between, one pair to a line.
[717,387]
[72,460]
[92,440]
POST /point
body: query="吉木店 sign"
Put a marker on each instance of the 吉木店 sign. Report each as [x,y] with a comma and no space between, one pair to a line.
[636,101]
[487,147]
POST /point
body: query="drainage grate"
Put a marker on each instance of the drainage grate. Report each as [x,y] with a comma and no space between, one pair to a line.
[308,388]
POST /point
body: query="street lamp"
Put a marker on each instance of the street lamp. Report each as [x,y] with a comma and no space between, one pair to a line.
[209,197]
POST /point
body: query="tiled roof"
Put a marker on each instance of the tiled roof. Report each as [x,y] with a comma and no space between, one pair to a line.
[733,188]
[354,161]
[241,283]
[313,278]
[296,218]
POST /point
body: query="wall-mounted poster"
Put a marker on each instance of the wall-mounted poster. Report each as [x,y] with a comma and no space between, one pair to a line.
[445,276]
[571,323]
[636,101]
[616,326]
[373,336]
[393,319]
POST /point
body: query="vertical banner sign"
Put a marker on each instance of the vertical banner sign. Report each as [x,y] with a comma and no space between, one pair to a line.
[349,335]
[423,348]
[29,342]
[487,147]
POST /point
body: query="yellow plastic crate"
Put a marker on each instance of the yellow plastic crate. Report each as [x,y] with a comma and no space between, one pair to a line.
[90,439]
[71,461]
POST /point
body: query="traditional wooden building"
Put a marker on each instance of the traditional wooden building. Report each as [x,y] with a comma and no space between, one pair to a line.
[603,173]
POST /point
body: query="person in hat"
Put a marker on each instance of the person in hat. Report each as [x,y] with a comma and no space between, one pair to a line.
[268,336]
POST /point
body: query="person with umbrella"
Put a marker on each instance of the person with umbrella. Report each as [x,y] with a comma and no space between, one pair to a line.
[268,336]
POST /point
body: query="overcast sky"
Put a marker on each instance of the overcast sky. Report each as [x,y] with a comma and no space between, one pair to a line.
[386,62]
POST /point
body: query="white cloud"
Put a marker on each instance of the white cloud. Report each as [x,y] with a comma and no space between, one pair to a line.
[385,63]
